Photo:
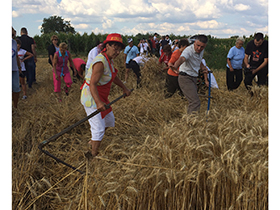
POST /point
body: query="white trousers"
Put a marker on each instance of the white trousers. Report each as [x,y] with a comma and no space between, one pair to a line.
[98,125]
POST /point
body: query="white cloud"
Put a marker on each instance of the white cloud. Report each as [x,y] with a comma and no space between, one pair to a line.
[35,6]
[142,16]
[225,2]
[207,10]
[249,23]
[211,24]
[183,28]
[15,14]
[107,23]
[97,31]
[81,26]
[264,30]
[264,3]
[241,7]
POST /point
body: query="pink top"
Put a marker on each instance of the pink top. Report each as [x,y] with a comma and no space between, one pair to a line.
[77,63]
[61,65]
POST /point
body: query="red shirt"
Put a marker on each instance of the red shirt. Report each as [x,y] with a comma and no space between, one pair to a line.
[153,43]
[77,63]
[164,58]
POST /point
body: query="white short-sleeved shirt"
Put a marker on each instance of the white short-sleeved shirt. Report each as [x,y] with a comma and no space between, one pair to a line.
[141,59]
[144,47]
[92,54]
[193,60]
[21,54]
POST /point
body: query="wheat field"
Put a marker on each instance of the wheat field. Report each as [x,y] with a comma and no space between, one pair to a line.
[156,156]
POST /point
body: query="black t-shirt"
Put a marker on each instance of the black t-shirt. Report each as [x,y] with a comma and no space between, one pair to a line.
[257,54]
[51,51]
[26,43]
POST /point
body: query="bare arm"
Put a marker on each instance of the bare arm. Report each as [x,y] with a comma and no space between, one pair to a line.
[72,64]
[170,66]
[206,79]
[246,61]
[33,48]
[18,64]
[80,74]
[205,73]
[264,63]
[54,61]
[178,63]
[229,64]
[29,55]
[203,68]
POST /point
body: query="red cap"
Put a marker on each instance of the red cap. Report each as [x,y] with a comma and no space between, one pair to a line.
[114,37]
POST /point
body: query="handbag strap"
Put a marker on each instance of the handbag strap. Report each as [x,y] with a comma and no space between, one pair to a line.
[129,50]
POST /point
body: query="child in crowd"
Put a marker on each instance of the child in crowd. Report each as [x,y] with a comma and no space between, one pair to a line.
[214,83]
[22,75]
[165,56]
[60,69]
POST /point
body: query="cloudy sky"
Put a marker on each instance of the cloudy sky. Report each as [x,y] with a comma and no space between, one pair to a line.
[220,18]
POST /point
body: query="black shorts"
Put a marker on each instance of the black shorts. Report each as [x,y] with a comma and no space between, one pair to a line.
[127,65]
[22,74]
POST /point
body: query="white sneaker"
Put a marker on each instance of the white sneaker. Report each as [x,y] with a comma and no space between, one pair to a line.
[24,97]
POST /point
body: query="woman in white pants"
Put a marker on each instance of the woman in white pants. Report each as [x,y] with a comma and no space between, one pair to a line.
[96,89]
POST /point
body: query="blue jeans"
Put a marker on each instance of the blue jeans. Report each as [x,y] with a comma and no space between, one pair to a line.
[30,70]
[15,82]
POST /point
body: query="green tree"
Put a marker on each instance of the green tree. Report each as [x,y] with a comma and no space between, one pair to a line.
[56,24]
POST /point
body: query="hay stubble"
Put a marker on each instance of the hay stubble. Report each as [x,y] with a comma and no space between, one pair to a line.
[156,157]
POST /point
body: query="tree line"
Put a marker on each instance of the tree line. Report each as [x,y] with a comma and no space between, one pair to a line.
[79,45]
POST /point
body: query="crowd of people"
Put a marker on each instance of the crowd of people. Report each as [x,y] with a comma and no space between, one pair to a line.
[24,60]
[182,60]
[253,59]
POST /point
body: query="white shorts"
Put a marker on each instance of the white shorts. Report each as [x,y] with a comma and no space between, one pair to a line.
[98,125]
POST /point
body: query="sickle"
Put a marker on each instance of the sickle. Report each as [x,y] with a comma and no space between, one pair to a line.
[209,96]
[54,137]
